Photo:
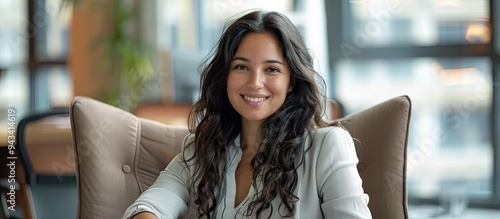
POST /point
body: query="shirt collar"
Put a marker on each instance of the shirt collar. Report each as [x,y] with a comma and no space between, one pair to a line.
[298,159]
[237,141]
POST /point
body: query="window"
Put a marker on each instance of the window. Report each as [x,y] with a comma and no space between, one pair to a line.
[13,69]
[441,54]
[50,81]
[187,31]
[33,52]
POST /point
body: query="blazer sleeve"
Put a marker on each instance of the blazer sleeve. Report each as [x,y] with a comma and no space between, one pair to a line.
[168,197]
[339,184]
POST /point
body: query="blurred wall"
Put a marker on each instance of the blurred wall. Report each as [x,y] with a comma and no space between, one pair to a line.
[89,23]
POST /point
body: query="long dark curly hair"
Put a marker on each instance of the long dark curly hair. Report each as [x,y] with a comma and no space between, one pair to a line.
[216,123]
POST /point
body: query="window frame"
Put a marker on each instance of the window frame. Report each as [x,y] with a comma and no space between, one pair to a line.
[34,63]
[338,19]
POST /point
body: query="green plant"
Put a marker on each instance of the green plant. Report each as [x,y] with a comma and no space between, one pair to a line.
[132,68]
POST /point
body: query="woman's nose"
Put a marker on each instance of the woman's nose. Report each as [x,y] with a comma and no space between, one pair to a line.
[255,80]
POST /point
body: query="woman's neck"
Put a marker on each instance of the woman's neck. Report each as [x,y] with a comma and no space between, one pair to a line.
[250,135]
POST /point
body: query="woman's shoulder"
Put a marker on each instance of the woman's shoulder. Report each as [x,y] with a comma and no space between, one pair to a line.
[329,132]
[188,144]
[188,139]
[328,139]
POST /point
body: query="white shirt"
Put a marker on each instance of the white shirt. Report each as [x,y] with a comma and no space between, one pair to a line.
[329,184]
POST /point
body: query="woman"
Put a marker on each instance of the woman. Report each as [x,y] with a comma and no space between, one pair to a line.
[259,147]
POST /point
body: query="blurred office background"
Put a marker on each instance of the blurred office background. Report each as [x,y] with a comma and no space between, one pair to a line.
[444,54]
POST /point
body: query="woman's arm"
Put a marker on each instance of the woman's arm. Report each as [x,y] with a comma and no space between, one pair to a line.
[145,215]
[168,197]
[340,184]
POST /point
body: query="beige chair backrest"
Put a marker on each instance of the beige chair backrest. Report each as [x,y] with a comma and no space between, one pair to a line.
[119,155]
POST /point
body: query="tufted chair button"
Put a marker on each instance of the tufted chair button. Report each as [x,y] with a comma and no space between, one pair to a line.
[126,168]
[361,167]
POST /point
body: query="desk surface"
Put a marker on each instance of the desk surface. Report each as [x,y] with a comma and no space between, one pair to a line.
[428,212]
[171,114]
[48,144]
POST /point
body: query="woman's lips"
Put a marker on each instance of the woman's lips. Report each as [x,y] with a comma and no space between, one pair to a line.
[255,100]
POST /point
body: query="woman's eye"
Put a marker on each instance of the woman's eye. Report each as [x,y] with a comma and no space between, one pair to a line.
[240,67]
[273,69]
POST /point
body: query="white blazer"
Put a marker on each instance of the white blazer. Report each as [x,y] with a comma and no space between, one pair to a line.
[329,184]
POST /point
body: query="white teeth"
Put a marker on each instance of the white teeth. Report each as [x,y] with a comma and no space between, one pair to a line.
[254,99]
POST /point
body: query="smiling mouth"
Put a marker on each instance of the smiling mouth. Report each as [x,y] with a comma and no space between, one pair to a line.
[255,99]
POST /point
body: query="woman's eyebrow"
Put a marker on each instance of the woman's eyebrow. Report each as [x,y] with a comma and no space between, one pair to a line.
[274,61]
[241,59]
[267,61]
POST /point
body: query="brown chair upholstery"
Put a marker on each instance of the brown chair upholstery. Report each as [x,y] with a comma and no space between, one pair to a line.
[381,137]
[119,155]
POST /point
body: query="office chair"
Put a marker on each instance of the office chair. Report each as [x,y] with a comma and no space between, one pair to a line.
[45,148]
[120,155]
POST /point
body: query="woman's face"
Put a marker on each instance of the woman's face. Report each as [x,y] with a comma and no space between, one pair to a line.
[259,77]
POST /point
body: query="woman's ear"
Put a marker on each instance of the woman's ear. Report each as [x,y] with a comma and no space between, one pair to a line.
[291,85]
